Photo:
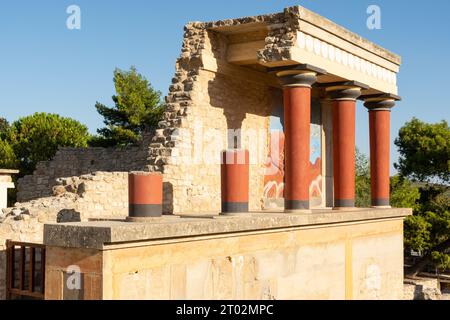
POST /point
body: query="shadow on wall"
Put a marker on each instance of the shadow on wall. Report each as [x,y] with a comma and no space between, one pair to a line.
[239,99]
[167,198]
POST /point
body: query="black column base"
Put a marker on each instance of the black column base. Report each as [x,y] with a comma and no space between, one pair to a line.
[296,204]
[234,207]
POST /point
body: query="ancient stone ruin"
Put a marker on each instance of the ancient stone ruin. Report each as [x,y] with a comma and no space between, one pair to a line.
[283,87]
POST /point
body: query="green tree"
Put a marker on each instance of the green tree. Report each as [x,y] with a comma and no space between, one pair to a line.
[37,138]
[4,128]
[404,194]
[429,232]
[8,159]
[425,157]
[137,109]
[424,150]
[362,180]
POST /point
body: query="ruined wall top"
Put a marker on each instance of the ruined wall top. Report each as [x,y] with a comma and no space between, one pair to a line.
[296,16]
[297,36]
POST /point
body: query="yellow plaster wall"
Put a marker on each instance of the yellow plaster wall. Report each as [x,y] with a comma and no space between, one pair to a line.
[345,261]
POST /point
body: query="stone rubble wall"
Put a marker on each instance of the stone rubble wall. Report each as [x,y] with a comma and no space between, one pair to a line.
[281,37]
[69,162]
[219,101]
[96,195]
[422,289]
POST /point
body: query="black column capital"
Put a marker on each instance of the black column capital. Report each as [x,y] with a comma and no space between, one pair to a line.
[380,102]
[300,75]
[379,105]
[297,78]
[347,90]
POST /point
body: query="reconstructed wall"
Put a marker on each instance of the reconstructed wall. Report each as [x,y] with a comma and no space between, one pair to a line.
[361,260]
[204,102]
[97,195]
[207,96]
[221,103]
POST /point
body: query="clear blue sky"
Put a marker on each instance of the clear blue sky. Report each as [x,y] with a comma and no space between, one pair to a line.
[46,67]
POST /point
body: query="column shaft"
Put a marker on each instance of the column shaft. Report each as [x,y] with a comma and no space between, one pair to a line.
[379,122]
[297,118]
[344,153]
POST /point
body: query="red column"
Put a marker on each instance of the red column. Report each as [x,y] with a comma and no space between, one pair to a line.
[145,194]
[297,119]
[379,125]
[344,106]
[344,153]
[235,181]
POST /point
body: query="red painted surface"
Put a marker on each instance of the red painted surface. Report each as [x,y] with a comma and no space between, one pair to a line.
[297,116]
[235,176]
[379,122]
[315,178]
[344,149]
[145,188]
[274,171]
[274,168]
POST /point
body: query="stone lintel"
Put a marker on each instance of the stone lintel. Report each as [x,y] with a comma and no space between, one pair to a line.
[100,234]
[343,84]
[298,67]
[381,96]
[343,33]
[307,18]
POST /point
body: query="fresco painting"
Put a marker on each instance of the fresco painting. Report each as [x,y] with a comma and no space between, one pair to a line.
[274,167]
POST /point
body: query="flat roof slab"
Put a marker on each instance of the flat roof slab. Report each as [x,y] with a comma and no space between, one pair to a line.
[98,234]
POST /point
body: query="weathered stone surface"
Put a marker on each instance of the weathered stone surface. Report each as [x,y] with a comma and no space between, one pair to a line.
[97,234]
[422,289]
[93,195]
[304,262]
[48,178]
[206,92]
